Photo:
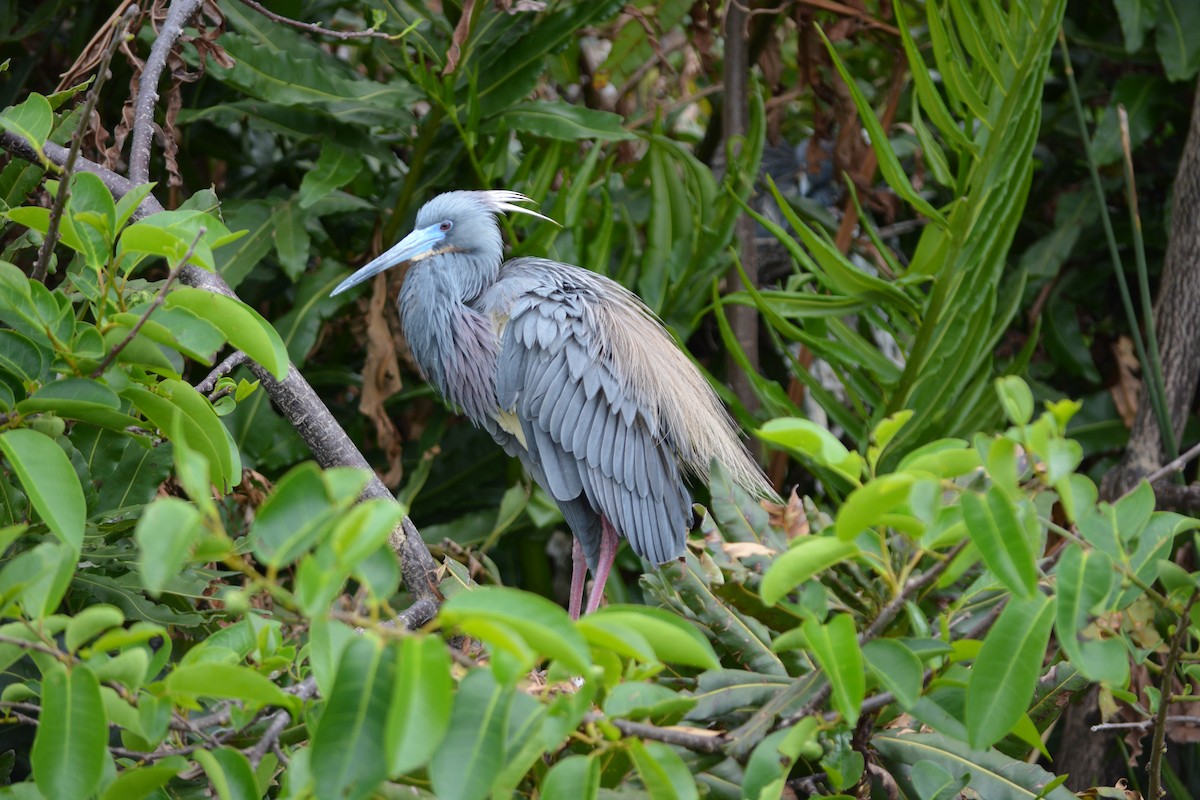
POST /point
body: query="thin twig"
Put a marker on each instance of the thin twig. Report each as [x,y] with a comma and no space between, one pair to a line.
[158,300]
[1143,724]
[143,110]
[312,28]
[914,585]
[227,366]
[42,267]
[1172,465]
[680,737]
[25,644]
[1157,748]
[270,738]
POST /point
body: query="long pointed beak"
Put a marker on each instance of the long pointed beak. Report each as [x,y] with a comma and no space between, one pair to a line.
[413,247]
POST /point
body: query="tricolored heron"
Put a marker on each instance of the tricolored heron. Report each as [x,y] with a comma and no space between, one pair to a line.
[571,373]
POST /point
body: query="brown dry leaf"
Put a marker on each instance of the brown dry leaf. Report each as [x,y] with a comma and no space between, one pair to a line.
[789,518]
[381,380]
[740,550]
[1128,386]
[461,31]
[89,58]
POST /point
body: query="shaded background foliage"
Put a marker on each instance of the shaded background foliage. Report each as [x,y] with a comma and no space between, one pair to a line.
[609,116]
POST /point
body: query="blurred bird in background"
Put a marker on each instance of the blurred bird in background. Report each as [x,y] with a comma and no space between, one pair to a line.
[571,373]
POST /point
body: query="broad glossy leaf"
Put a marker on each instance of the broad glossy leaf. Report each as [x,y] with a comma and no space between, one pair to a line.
[91,215]
[662,771]
[995,529]
[770,763]
[229,772]
[575,776]
[80,399]
[178,329]
[355,722]
[136,783]
[815,442]
[20,357]
[165,535]
[897,668]
[990,773]
[1007,668]
[472,754]
[807,557]
[672,638]
[642,699]
[227,681]
[422,696]
[50,482]
[243,326]
[31,119]
[543,625]
[1175,36]
[336,166]
[1085,579]
[835,646]
[869,504]
[293,517]
[91,622]
[558,119]
[175,407]
[70,747]
[292,242]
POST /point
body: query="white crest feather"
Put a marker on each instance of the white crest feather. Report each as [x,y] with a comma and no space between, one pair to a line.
[501,201]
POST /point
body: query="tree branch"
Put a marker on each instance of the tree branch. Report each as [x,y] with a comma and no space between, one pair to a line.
[227,366]
[707,742]
[311,28]
[143,111]
[1158,744]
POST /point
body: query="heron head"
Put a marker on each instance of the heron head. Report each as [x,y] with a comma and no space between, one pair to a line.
[451,223]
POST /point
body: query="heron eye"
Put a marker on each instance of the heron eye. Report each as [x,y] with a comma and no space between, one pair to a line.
[445,226]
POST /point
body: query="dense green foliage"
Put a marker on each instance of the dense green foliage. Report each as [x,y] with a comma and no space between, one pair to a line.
[189,604]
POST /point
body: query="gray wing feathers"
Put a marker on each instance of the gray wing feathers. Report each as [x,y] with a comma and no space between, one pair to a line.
[592,447]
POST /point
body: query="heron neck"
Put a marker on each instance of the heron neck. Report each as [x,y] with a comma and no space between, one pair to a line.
[451,341]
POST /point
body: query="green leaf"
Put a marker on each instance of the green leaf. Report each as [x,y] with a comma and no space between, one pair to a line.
[1085,579]
[137,783]
[870,504]
[835,646]
[771,762]
[558,119]
[294,516]
[243,326]
[50,482]
[81,399]
[229,772]
[1137,19]
[91,215]
[176,328]
[995,529]
[897,668]
[815,442]
[91,622]
[990,773]
[31,119]
[1178,45]
[472,754]
[71,744]
[575,776]
[165,535]
[543,625]
[641,700]
[227,681]
[807,557]
[1016,397]
[355,721]
[672,638]
[662,771]
[179,410]
[336,166]
[422,697]
[292,242]
[1006,670]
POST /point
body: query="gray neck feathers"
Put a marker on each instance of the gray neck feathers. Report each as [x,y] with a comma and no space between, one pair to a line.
[452,343]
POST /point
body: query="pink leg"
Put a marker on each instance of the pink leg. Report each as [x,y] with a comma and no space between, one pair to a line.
[608,554]
[578,578]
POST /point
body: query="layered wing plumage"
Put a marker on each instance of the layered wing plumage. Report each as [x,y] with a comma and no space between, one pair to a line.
[570,410]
